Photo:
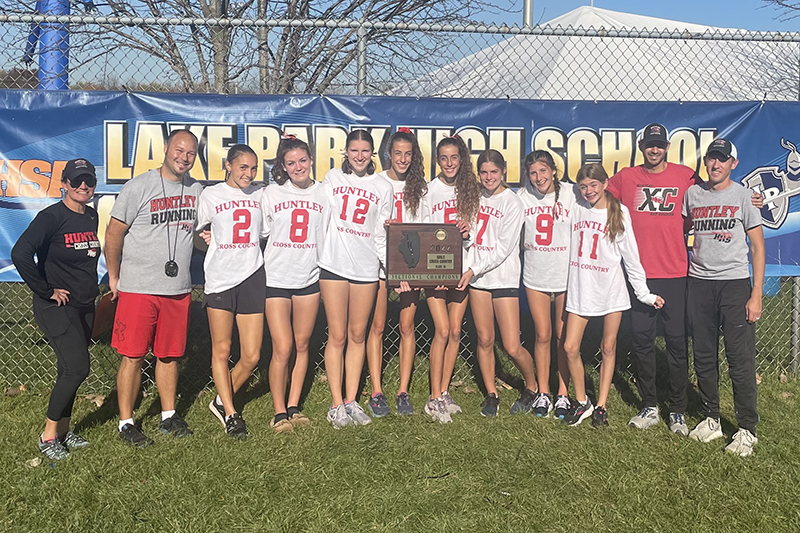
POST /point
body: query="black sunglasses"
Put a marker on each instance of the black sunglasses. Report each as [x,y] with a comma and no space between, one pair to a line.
[75,181]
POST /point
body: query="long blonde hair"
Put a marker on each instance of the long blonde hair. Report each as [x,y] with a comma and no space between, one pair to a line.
[614,225]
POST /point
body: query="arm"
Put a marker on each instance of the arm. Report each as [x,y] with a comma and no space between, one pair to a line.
[266,215]
[384,214]
[758,258]
[30,242]
[633,266]
[506,242]
[115,234]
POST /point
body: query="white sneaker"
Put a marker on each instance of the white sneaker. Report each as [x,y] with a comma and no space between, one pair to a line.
[707,430]
[647,417]
[742,443]
[355,412]
[338,417]
[436,408]
[452,407]
[677,424]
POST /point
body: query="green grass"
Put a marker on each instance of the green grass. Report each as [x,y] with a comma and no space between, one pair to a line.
[403,474]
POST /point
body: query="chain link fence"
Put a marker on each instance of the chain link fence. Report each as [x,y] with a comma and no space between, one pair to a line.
[231,56]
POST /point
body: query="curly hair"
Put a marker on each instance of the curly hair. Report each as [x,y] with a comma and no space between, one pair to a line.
[287,144]
[468,191]
[358,135]
[543,156]
[415,184]
[614,223]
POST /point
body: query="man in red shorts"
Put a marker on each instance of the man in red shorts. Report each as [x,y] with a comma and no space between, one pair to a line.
[148,249]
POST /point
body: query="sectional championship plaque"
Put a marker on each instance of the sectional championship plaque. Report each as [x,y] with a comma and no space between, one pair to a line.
[424,255]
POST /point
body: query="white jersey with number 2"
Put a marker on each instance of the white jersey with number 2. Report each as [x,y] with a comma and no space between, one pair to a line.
[355,244]
[234,252]
[294,222]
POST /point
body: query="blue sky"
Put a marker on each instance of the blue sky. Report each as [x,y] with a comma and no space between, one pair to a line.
[741,14]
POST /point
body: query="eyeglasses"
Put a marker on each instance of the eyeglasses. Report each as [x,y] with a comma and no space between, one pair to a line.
[89,180]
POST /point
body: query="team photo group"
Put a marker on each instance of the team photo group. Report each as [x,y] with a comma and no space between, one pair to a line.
[593,248]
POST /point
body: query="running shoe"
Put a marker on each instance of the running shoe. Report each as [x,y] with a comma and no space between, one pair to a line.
[562,407]
[53,449]
[543,405]
[175,426]
[299,419]
[599,417]
[235,426]
[132,435]
[338,417]
[579,412]
[356,413]
[404,406]
[378,405]
[437,410]
[281,426]
[677,424]
[73,441]
[647,417]
[742,443]
[217,410]
[452,407]
[707,430]
[525,402]
[490,405]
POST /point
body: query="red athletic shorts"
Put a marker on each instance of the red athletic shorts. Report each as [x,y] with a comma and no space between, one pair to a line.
[145,321]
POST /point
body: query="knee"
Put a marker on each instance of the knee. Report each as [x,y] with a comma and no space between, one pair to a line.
[486,340]
[337,339]
[356,336]
[514,350]
[222,349]
[406,329]
[573,350]
[301,346]
[250,359]
[441,335]
[378,326]
[609,348]
[454,335]
[543,335]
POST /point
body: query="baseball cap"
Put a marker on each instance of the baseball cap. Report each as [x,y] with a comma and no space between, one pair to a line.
[79,168]
[723,147]
[655,135]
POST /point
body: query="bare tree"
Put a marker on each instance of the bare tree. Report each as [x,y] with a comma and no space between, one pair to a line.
[221,57]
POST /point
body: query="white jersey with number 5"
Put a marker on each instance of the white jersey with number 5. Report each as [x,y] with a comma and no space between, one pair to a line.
[547,237]
[596,285]
[494,255]
[294,222]
[442,202]
[400,212]
[235,218]
[355,244]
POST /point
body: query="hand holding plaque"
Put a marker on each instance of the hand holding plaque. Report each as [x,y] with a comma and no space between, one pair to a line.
[424,255]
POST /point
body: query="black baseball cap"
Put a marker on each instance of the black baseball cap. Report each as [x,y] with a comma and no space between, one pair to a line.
[79,168]
[723,147]
[655,135]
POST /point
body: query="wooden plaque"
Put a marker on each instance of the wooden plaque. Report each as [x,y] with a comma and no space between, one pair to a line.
[424,255]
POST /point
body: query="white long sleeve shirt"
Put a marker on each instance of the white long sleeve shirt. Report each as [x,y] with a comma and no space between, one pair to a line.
[399,210]
[295,221]
[596,284]
[494,254]
[355,243]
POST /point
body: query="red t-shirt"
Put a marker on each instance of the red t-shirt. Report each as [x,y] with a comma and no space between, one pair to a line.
[654,201]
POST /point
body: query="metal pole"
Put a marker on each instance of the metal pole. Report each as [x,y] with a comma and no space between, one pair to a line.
[527,13]
[795,339]
[362,60]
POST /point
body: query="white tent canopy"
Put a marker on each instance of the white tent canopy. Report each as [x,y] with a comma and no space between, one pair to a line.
[699,67]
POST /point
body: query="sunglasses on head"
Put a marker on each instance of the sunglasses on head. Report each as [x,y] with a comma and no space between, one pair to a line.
[75,181]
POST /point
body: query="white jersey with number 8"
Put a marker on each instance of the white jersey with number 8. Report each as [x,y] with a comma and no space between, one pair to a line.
[355,244]
[295,221]
[234,252]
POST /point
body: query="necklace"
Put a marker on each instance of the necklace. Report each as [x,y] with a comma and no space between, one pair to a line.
[170,267]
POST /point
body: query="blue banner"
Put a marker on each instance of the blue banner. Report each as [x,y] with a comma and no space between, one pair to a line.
[123,135]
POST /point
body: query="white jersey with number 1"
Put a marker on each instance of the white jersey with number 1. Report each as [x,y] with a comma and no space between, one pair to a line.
[596,285]
[547,237]
[294,222]
[355,244]
[494,256]
[400,212]
[234,252]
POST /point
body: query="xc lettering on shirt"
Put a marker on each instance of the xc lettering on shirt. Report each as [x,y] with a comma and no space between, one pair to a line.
[717,220]
[657,199]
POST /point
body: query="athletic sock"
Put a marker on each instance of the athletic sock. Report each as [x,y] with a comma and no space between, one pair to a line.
[123,423]
[218,400]
[281,416]
[292,410]
[41,439]
[167,414]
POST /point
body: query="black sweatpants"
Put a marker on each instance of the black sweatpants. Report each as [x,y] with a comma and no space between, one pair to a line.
[715,303]
[68,330]
[644,320]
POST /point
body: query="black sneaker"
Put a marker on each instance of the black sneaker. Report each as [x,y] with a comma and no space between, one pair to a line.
[490,405]
[130,434]
[525,402]
[579,413]
[175,426]
[217,410]
[235,426]
[599,417]
[53,449]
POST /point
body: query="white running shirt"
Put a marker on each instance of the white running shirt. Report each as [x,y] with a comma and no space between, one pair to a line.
[355,243]
[442,209]
[494,254]
[596,285]
[547,239]
[399,210]
[235,217]
[295,221]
